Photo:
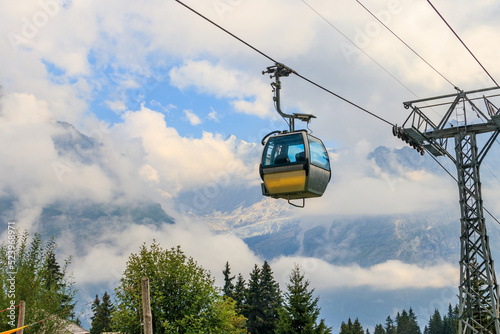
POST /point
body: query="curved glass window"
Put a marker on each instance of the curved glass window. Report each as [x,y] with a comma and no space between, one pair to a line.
[319,155]
[282,150]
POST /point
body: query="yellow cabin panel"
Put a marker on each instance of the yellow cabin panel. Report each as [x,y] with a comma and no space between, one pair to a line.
[285,182]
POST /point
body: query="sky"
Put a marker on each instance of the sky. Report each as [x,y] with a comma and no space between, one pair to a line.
[179,107]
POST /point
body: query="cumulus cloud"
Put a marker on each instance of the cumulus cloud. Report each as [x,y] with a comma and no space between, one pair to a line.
[184,163]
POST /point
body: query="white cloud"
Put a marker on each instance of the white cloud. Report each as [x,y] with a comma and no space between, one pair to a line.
[32,169]
[192,117]
[213,115]
[359,187]
[104,261]
[149,173]
[390,275]
[116,106]
[247,94]
[184,163]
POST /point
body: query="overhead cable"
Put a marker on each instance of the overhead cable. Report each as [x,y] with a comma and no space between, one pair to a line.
[273,60]
[455,179]
[317,85]
[472,54]
[360,49]
[409,47]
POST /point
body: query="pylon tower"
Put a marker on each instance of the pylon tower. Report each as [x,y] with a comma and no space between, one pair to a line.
[474,131]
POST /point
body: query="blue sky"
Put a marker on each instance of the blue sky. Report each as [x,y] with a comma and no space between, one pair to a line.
[162,91]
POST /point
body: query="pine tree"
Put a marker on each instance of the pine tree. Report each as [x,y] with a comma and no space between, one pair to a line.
[106,311]
[389,326]
[436,323]
[270,299]
[414,327]
[239,293]
[95,316]
[352,327]
[53,275]
[251,310]
[402,323]
[54,281]
[102,317]
[346,328]
[379,329]
[322,328]
[357,328]
[450,321]
[228,284]
[300,311]
[263,300]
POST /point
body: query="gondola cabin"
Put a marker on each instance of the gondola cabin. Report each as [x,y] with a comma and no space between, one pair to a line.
[294,165]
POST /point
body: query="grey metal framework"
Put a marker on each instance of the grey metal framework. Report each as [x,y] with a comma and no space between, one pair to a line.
[463,121]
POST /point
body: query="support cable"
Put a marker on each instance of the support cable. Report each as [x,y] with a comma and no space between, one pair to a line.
[323,88]
[271,59]
[455,179]
[226,31]
[343,99]
[401,40]
[472,54]
[360,49]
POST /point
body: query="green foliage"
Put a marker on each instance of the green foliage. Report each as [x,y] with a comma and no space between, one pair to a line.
[221,318]
[445,325]
[300,311]
[351,328]
[183,296]
[406,323]
[435,323]
[379,329]
[251,309]
[228,281]
[29,271]
[450,321]
[239,294]
[389,326]
[270,299]
[263,300]
[102,317]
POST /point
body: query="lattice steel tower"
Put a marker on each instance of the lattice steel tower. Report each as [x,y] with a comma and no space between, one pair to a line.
[430,131]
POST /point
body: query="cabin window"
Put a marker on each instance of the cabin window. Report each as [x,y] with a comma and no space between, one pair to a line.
[319,155]
[283,150]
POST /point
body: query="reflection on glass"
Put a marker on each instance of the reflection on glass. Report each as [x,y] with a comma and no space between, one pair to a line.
[319,155]
[282,150]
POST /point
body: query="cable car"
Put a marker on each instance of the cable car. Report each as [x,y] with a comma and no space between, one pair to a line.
[294,165]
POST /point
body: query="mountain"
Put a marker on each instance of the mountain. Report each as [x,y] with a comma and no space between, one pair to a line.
[86,220]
